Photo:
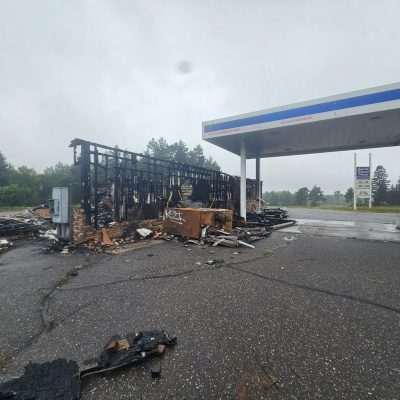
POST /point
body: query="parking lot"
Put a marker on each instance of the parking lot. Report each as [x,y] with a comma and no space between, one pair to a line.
[302,316]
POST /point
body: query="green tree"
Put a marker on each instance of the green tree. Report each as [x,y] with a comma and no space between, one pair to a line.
[338,196]
[349,196]
[159,149]
[59,175]
[15,195]
[279,198]
[380,185]
[301,196]
[180,152]
[316,196]
[393,196]
[5,171]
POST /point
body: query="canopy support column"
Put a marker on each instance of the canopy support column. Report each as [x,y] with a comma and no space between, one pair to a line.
[258,182]
[243,180]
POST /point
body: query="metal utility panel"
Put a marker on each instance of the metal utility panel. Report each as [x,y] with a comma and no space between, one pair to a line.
[60,205]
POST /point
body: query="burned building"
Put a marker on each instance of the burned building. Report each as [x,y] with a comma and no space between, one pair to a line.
[119,185]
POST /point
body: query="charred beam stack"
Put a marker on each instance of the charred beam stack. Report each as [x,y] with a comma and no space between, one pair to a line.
[17,227]
[269,217]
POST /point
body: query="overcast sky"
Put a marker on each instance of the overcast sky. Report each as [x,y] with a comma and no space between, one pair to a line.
[122,72]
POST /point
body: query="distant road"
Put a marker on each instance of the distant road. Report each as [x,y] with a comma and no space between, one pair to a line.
[329,215]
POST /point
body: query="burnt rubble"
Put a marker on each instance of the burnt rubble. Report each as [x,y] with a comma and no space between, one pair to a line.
[61,378]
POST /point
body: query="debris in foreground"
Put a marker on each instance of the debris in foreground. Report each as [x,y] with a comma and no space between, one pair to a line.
[61,379]
[134,348]
[53,380]
[5,245]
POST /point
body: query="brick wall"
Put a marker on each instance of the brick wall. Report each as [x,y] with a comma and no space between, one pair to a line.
[81,232]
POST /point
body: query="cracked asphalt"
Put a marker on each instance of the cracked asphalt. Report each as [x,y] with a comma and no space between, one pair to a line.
[310,318]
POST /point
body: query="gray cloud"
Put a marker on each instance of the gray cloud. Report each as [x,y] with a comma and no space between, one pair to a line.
[121,72]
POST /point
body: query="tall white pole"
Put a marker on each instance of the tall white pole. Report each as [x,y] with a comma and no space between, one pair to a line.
[243,180]
[258,180]
[355,180]
[370,181]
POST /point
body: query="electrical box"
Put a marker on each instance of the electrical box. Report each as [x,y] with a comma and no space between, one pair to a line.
[60,210]
[60,205]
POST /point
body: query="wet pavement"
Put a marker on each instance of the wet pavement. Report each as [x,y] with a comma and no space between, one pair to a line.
[336,215]
[299,317]
[348,224]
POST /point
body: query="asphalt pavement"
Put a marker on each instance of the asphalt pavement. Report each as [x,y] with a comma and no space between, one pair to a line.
[299,317]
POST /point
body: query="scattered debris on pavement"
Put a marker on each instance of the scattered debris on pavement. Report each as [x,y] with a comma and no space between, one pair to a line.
[25,225]
[134,348]
[14,227]
[215,226]
[271,217]
[189,222]
[50,234]
[195,226]
[42,211]
[61,379]
[215,261]
[58,379]
[144,232]
[5,245]
[259,225]
[156,370]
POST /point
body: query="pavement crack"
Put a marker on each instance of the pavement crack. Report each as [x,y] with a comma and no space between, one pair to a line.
[162,276]
[139,279]
[314,289]
[47,324]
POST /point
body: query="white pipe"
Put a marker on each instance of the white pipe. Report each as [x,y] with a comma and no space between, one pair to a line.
[243,180]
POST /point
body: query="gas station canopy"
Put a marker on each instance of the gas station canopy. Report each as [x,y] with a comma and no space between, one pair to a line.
[355,120]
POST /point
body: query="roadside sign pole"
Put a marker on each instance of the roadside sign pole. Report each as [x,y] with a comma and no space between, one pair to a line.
[355,185]
[370,181]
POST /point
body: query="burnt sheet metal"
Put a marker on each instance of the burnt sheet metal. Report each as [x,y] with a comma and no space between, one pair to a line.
[133,349]
[61,379]
[58,379]
[269,216]
[18,227]
[119,185]
[188,222]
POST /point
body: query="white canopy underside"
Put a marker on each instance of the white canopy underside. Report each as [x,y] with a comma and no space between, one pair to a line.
[356,120]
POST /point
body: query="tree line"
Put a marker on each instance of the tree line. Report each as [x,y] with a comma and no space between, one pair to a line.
[24,186]
[383,193]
